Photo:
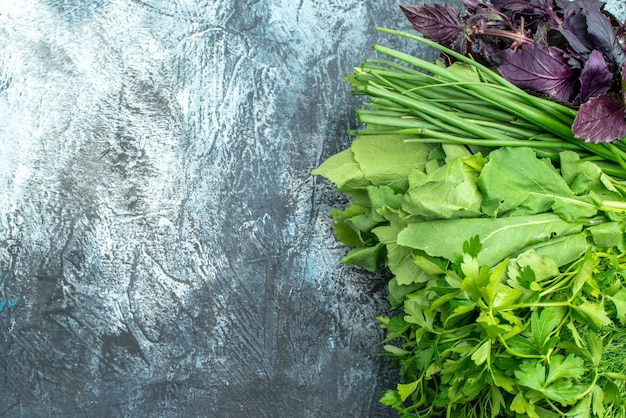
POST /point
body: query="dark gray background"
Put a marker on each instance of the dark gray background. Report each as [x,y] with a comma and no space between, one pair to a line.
[164,250]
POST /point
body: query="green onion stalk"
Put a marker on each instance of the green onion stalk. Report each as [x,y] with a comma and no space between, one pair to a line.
[434,103]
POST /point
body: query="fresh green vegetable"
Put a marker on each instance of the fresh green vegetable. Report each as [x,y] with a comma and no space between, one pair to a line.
[467,103]
[504,236]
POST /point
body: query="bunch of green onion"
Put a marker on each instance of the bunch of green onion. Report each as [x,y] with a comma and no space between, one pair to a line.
[431,103]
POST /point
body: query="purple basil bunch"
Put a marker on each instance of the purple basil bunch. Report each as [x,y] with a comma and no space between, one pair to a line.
[572,51]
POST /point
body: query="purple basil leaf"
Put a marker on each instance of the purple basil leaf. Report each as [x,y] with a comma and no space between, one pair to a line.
[576,5]
[460,45]
[601,119]
[603,37]
[595,77]
[487,47]
[574,30]
[472,5]
[436,22]
[528,6]
[540,68]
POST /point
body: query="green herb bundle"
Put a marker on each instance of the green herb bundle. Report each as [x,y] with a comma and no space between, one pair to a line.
[504,235]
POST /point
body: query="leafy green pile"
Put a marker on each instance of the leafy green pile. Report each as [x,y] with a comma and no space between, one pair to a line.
[507,255]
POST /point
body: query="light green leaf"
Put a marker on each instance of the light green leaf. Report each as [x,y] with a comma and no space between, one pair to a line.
[500,237]
[608,234]
[382,197]
[343,170]
[476,277]
[400,263]
[388,159]
[489,289]
[532,374]
[465,70]
[391,398]
[575,334]
[523,346]
[417,313]
[395,351]
[505,382]
[521,405]
[430,265]
[594,343]
[346,230]
[442,300]
[563,250]
[594,314]
[619,300]
[497,401]
[386,234]
[586,177]
[564,392]
[515,180]
[506,296]
[406,389]
[482,354]
[582,409]
[584,275]
[597,401]
[543,267]
[570,367]
[347,235]
[491,325]
[449,192]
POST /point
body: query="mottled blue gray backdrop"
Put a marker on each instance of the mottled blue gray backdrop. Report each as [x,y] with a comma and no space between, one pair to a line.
[164,250]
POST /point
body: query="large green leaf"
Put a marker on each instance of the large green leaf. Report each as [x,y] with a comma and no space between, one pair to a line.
[514,180]
[448,192]
[388,159]
[344,171]
[500,237]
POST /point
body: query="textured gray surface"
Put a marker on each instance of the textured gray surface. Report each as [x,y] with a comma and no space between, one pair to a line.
[164,250]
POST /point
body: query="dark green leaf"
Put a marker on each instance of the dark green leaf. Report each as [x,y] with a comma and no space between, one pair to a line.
[472,246]
[523,346]
[544,324]
[370,258]
[398,292]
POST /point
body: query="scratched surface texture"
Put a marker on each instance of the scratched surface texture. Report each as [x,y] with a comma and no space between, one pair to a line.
[164,250]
